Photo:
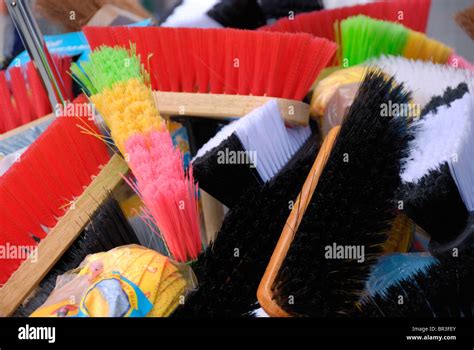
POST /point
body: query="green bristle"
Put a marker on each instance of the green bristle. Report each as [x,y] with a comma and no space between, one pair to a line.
[364,38]
[107,66]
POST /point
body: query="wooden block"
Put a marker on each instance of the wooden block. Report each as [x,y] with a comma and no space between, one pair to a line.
[68,228]
[219,106]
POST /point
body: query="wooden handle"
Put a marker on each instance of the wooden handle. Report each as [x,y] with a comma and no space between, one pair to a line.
[49,251]
[264,292]
[219,106]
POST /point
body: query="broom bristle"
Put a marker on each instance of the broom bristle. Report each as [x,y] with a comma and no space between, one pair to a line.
[444,289]
[425,79]
[360,180]
[247,153]
[74,14]
[412,14]
[169,193]
[363,38]
[37,189]
[230,269]
[23,96]
[465,19]
[223,61]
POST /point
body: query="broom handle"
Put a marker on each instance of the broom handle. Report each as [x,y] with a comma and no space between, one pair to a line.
[265,291]
[22,16]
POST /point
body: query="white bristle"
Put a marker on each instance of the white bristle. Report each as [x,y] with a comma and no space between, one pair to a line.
[332,4]
[424,79]
[462,168]
[446,136]
[192,14]
[264,134]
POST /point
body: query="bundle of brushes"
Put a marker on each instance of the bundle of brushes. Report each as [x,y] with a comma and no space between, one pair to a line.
[425,79]
[231,268]
[351,210]
[108,228]
[118,87]
[321,23]
[438,181]
[362,38]
[223,61]
[465,19]
[22,94]
[247,153]
[60,11]
[38,189]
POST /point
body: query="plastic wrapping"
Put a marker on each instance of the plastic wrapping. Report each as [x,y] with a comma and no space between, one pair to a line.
[128,281]
[23,139]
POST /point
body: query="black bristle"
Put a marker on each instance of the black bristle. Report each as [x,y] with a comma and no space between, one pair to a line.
[284,8]
[434,204]
[228,283]
[444,289]
[108,229]
[353,205]
[223,180]
[241,14]
[449,96]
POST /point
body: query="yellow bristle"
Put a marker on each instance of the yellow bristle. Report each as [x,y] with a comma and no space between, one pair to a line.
[420,47]
[128,108]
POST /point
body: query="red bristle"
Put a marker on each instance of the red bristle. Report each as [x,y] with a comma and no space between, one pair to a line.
[20,95]
[40,101]
[9,117]
[411,13]
[200,57]
[53,171]
[184,57]
[228,61]
[216,60]
[232,62]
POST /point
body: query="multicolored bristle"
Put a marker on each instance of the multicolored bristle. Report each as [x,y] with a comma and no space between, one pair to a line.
[362,38]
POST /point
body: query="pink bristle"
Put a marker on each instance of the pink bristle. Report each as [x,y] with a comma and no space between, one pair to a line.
[9,117]
[51,173]
[168,192]
[20,95]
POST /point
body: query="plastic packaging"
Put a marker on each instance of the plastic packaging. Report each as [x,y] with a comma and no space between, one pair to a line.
[128,281]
